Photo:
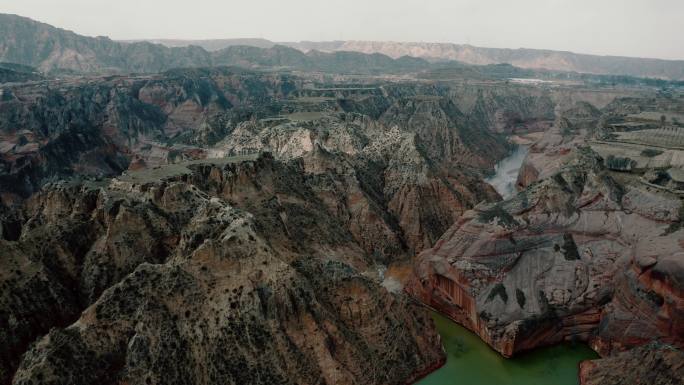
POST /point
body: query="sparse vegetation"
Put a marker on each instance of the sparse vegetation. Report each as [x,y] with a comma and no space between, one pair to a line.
[498,212]
[520,296]
[619,163]
[651,152]
[570,251]
[500,290]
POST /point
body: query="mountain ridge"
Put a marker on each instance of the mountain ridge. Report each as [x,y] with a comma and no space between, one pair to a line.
[528,58]
[55,50]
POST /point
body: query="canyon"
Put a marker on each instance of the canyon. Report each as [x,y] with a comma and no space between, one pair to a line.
[261,215]
[581,253]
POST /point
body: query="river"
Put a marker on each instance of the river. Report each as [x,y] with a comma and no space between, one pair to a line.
[506,172]
[472,362]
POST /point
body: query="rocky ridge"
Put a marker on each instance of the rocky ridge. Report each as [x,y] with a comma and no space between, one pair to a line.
[409,157]
[239,255]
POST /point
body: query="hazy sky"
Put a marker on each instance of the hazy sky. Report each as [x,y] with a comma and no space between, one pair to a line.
[647,28]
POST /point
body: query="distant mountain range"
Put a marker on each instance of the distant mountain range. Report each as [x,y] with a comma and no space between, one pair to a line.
[522,57]
[436,52]
[439,52]
[209,44]
[54,50]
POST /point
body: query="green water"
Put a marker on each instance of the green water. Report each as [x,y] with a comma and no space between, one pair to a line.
[471,362]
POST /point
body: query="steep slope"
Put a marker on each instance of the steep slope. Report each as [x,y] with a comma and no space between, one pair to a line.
[230,270]
[582,253]
[402,180]
[653,364]
[47,48]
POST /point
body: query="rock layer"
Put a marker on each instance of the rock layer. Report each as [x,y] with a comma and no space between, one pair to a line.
[581,254]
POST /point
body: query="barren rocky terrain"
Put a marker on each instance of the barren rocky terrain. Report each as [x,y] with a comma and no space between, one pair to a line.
[582,253]
[260,224]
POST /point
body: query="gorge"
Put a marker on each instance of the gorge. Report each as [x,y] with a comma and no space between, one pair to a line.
[257,215]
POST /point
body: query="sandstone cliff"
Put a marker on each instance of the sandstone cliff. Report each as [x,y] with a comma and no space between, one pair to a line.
[580,254]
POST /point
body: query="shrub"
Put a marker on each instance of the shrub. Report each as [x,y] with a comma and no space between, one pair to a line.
[520,296]
[500,290]
[651,152]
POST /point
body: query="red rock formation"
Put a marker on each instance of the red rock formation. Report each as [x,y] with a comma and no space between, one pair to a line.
[577,255]
[529,272]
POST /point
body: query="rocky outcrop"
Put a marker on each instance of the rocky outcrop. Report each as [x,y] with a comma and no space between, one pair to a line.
[444,133]
[381,179]
[233,270]
[651,364]
[580,254]
[569,131]
[568,259]
[79,128]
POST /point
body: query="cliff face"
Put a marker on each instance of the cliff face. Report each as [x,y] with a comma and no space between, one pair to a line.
[573,257]
[232,270]
[582,253]
[570,129]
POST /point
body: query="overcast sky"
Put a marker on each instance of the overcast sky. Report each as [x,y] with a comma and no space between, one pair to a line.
[646,28]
